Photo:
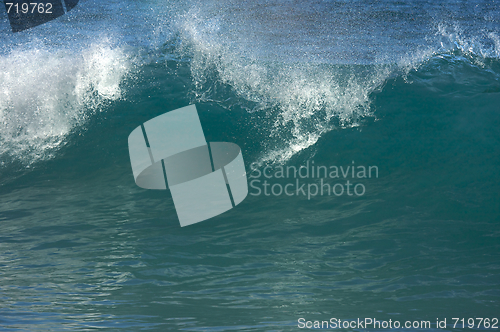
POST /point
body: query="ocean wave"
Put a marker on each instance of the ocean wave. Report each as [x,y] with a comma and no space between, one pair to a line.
[301,101]
[297,96]
[46,92]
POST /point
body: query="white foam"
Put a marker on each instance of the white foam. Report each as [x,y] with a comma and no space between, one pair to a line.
[481,44]
[46,92]
[307,99]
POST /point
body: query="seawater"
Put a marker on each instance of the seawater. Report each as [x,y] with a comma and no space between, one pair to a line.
[411,87]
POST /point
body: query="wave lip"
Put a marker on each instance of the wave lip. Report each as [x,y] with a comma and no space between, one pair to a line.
[304,100]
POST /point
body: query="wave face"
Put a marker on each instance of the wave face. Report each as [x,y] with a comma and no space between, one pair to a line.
[410,87]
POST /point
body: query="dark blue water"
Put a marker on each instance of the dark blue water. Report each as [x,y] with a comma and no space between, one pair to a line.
[410,87]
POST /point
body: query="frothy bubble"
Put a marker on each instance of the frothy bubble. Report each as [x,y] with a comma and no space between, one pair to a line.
[46,92]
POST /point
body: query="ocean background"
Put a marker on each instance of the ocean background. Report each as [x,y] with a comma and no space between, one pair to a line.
[412,87]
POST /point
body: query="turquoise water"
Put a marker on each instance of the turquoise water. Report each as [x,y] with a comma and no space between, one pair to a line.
[410,87]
